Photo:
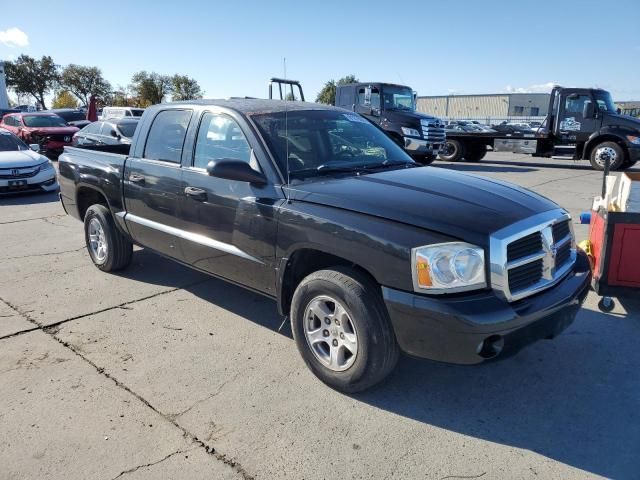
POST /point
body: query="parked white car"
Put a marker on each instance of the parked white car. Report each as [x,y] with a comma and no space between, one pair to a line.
[22,168]
[120,112]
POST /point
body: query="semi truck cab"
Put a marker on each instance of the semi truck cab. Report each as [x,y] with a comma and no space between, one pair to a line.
[393,108]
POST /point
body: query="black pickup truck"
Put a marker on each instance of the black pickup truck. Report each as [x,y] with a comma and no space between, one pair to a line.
[367,252]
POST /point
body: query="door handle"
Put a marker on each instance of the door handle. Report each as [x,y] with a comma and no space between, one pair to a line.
[197,194]
[136,178]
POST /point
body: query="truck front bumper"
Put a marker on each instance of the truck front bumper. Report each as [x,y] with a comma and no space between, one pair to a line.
[416,146]
[471,329]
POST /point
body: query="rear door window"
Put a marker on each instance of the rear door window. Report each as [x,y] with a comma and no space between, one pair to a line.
[166,136]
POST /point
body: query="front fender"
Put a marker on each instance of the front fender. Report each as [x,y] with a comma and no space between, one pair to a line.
[612,133]
[379,246]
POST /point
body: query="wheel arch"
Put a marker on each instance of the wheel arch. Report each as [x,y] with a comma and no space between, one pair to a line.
[605,137]
[302,262]
[87,195]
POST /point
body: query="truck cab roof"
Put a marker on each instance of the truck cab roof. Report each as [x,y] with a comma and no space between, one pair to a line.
[250,106]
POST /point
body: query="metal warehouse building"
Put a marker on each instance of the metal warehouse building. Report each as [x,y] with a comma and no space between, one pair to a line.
[499,105]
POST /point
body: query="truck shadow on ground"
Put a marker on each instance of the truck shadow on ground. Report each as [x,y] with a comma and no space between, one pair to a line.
[516,166]
[575,399]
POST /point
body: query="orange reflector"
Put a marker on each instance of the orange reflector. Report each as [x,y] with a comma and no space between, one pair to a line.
[424,274]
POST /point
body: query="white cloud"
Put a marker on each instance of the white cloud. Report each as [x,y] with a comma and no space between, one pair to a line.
[14,37]
[540,88]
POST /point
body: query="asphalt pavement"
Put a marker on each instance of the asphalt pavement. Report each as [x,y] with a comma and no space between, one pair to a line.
[163,372]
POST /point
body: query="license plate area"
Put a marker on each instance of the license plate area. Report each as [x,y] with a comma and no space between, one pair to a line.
[17,184]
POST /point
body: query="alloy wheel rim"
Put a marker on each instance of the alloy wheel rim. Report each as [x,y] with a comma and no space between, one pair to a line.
[331,333]
[97,241]
[602,154]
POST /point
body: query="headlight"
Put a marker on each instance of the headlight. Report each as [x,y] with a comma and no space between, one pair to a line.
[46,166]
[633,139]
[448,267]
[410,132]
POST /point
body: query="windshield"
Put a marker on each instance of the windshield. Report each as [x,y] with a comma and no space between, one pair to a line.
[71,116]
[128,129]
[319,141]
[400,98]
[11,143]
[44,121]
[604,101]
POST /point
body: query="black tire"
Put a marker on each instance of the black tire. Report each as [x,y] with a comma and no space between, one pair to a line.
[118,248]
[377,351]
[453,151]
[606,304]
[475,153]
[618,153]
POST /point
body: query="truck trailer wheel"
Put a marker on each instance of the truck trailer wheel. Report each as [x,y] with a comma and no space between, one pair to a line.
[475,153]
[342,329]
[453,151]
[612,150]
[108,248]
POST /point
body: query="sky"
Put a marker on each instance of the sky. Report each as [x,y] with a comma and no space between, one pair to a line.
[438,48]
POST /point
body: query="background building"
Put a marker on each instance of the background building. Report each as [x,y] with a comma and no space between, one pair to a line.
[493,106]
[629,108]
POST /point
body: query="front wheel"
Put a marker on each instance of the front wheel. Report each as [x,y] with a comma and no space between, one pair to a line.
[607,150]
[452,151]
[342,329]
[108,248]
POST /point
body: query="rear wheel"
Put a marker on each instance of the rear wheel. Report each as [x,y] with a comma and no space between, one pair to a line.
[453,151]
[342,329]
[610,150]
[475,153]
[108,248]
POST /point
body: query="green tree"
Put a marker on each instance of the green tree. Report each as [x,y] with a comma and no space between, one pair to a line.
[328,93]
[64,99]
[83,82]
[184,88]
[150,88]
[28,76]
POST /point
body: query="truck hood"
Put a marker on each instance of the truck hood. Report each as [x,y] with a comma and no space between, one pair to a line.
[20,159]
[627,121]
[456,204]
[404,116]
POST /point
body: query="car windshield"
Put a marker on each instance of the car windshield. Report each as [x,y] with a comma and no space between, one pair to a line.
[316,142]
[127,128]
[71,116]
[44,121]
[604,101]
[397,98]
[11,143]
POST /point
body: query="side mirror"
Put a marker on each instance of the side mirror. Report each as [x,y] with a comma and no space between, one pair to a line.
[234,169]
[588,110]
[35,147]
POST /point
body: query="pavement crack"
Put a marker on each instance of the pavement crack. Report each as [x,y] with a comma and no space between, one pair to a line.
[44,254]
[559,179]
[464,476]
[138,467]
[32,219]
[21,332]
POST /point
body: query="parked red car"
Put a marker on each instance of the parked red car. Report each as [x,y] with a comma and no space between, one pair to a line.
[48,130]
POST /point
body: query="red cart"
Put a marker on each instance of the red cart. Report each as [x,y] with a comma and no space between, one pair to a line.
[615,243]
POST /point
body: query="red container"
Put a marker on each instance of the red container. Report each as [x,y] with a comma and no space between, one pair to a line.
[615,240]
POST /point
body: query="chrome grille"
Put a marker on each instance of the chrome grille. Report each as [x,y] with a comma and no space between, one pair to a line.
[532,255]
[433,131]
[22,172]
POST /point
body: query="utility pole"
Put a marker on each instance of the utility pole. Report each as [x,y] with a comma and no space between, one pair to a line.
[4,97]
